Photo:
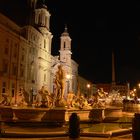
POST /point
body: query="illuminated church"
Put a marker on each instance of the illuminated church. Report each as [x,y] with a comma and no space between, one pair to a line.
[25,58]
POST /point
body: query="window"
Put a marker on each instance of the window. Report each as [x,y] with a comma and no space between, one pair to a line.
[5,66]
[6,50]
[3,90]
[15,51]
[13,92]
[21,71]
[64,45]
[14,69]
[4,84]
[4,87]
[7,40]
[13,89]
[44,44]
[40,19]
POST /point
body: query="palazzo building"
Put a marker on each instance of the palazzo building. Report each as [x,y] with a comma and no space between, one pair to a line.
[25,57]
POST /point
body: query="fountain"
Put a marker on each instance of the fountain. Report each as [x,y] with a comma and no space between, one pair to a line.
[47,107]
[55,108]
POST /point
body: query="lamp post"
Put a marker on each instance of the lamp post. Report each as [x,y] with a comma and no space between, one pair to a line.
[128,91]
[88,87]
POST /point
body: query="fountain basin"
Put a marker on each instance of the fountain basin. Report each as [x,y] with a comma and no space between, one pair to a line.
[6,113]
[28,113]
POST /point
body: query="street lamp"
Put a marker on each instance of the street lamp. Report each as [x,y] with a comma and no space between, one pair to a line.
[134,89]
[128,91]
[88,87]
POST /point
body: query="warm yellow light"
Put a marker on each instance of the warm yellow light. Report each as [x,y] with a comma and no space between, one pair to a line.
[68,76]
[139,85]
[134,89]
[88,85]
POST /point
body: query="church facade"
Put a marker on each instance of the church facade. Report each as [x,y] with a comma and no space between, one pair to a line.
[25,58]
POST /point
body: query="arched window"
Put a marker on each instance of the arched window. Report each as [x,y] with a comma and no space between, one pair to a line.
[44,44]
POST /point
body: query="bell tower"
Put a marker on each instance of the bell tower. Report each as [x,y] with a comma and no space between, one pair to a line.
[65,57]
[42,17]
[65,47]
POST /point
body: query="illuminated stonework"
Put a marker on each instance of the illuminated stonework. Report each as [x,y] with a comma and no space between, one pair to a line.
[25,57]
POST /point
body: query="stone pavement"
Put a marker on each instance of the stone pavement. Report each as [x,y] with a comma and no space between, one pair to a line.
[37,133]
[57,133]
[128,137]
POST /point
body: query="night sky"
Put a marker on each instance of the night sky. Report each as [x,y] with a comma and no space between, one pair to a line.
[96,28]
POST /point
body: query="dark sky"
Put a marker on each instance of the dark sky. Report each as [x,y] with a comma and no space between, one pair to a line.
[96,27]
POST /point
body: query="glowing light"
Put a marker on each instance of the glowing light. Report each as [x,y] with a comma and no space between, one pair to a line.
[68,76]
[134,89]
[88,85]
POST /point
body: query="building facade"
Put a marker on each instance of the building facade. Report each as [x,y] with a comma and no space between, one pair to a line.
[86,88]
[25,58]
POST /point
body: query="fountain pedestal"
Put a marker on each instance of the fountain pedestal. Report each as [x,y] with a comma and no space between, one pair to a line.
[62,115]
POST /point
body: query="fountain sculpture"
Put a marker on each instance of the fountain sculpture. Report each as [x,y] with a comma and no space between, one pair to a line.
[53,107]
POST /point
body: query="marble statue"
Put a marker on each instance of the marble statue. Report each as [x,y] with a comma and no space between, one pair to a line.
[70,98]
[60,81]
[44,98]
